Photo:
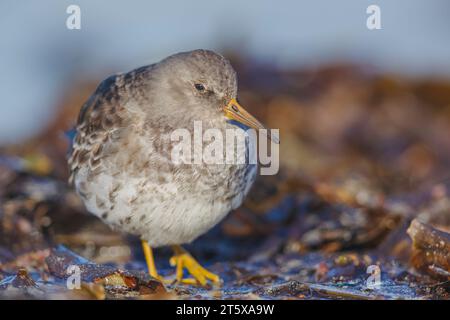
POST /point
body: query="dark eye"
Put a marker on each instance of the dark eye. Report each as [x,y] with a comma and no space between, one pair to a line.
[199,87]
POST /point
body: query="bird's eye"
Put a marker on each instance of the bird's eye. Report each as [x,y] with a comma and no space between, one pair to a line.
[199,87]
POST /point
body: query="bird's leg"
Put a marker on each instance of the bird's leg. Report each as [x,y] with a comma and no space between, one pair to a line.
[148,253]
[182,259]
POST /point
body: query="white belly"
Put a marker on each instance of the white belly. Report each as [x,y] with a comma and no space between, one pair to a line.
[160,213]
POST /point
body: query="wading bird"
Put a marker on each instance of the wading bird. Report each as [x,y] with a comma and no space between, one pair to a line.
[120,160]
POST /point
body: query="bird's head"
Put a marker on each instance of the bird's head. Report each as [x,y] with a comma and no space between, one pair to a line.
[205,83]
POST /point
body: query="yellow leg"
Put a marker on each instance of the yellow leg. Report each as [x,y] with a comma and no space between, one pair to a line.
[148,253]
[182,259]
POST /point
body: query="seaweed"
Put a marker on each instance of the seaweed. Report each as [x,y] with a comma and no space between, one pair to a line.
[359,210]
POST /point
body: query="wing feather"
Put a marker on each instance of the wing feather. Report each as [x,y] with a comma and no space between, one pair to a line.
[102,120]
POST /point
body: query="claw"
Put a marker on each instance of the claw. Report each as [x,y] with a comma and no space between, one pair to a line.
[182,259]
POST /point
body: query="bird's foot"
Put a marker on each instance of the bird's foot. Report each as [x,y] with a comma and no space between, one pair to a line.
[148,253]
[182,259]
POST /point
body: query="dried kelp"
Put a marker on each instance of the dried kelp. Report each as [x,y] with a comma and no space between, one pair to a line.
[431,249]
[359,161]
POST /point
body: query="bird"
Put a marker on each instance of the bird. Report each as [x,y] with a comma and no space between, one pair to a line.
[120,163]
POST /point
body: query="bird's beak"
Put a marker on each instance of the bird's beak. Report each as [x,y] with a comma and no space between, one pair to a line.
[234,111]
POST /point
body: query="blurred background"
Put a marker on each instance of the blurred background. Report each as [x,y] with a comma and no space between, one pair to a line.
[364,119]
[42,59]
